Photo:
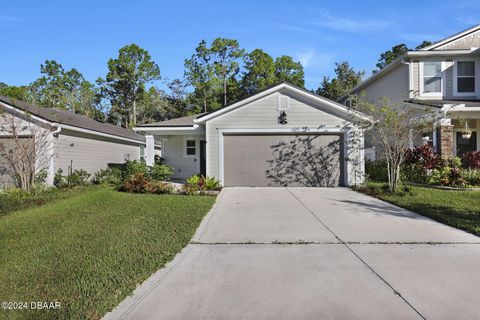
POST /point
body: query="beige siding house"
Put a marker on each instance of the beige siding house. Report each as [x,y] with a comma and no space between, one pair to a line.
[445,77]
[281,136]
[74,141]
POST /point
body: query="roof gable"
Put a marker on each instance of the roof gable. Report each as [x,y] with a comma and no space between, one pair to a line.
[466,39]
[292,89]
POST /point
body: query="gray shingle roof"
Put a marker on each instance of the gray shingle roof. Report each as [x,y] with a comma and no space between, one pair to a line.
[69,118]
[177,122]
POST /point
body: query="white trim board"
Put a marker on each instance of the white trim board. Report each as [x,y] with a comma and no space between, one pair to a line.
[293,131]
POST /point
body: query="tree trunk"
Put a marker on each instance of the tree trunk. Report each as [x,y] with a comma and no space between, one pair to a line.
[134,122]
[224,92]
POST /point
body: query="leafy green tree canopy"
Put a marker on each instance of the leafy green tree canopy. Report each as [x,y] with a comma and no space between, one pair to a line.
[126,79]
[259,72]
[346,78]
[286,69]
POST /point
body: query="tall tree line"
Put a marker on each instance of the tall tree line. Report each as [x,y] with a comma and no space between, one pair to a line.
[216,75]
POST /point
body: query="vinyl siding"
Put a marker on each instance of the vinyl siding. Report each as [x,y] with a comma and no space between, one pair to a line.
[393,85]
[173,154]
[466,42]
[263,114]
[91,152]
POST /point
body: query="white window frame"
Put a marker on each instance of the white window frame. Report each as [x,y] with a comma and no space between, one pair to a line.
[185,155]
[422,79]
[477,78]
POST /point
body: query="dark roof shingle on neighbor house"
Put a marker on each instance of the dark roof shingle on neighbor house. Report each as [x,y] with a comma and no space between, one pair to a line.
[65,117]
[187,121]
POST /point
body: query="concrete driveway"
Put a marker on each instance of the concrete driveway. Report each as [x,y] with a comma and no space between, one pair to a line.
[314,253]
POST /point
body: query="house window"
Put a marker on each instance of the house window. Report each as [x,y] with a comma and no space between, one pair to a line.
[432,77]
[190,148]
[142,152]
[466,76]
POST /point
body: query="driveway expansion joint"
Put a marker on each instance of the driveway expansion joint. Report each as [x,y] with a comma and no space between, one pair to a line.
[396,292]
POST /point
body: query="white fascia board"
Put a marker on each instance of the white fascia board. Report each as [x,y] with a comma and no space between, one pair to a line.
[101,134]
[334,105]
[152,128]
[414,54]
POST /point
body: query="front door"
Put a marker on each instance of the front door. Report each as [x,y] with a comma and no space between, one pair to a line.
[203,158]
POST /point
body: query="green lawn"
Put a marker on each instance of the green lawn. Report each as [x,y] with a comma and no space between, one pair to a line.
[90,251]
[459,209]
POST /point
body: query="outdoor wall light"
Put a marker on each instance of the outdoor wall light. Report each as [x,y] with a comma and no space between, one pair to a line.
[282,119]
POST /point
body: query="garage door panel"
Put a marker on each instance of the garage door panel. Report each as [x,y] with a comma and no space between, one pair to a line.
[282,160]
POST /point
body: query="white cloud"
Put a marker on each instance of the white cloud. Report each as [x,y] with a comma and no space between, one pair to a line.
[311,59]
[340,23]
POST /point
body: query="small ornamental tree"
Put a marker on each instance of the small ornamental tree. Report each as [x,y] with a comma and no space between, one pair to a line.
[394,125]
[24,148]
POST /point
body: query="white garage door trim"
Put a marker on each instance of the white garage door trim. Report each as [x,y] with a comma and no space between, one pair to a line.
[334,130]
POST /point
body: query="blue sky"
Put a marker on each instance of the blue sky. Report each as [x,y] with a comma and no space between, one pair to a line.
[85,34]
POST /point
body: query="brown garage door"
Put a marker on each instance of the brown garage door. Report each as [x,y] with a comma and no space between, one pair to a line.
[283,160]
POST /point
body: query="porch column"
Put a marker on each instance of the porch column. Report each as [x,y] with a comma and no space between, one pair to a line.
[149,150]
[446,138]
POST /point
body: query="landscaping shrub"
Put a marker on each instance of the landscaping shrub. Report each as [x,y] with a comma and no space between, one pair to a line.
[414,173]
[158,187]
[424,156]
[376,170]
[76,178]
[111,176]
[133,167]
[201,184]
[472,176]
[450,174]
[136,183]
[160,172]
[471,160]
[13,199]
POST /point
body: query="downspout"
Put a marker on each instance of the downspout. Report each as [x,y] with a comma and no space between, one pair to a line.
[410,89]
[51,165]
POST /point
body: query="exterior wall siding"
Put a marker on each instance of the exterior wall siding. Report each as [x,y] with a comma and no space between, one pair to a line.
[263,114]
[90,152]
[173,153]
[394,85]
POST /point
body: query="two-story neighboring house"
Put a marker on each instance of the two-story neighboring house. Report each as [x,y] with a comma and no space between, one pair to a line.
[444,76]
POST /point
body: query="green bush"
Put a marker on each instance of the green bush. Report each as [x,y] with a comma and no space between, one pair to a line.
[376,170]
[110,176]
[472,176]
[158,187]
[448,176]
[134,167]
[200,183]
[76,178]
[12,199]
[160,172]
[414,173]
[136,183]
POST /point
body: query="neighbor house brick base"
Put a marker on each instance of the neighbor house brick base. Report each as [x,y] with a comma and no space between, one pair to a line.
[446,141]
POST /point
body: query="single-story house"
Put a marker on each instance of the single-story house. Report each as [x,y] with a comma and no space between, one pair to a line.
[71,141]
[282,136]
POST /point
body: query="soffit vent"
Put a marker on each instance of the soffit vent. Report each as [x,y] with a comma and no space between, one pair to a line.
[283,103]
